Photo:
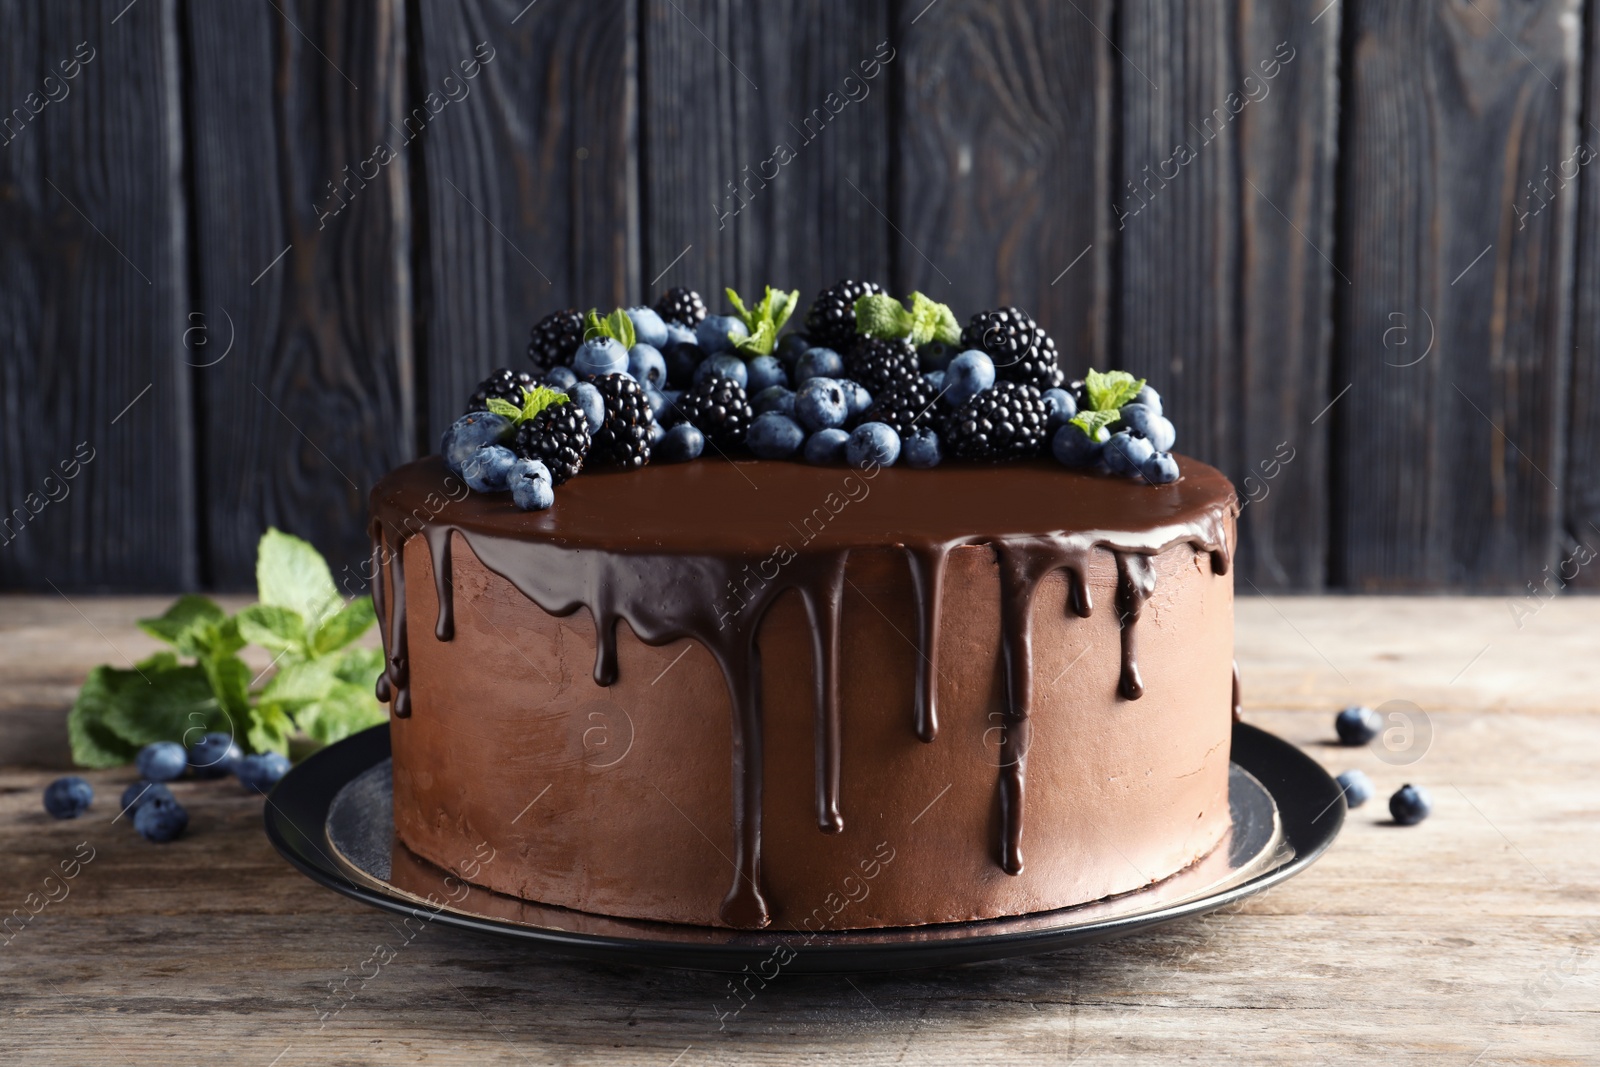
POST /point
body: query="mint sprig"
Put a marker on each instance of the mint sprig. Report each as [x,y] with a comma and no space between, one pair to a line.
[764,320]
[322,689]
[534,401]
[1111,390]
[881,315]
[1093,423]
[616,326]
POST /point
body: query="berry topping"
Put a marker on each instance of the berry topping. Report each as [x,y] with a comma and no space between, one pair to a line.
[555,339]
[878,363]
[831,320]
[818,363]
[872,443]
[718,408]
[558,437]
[1021,350]
[682,443]
[623,439]
[1006,422]
[774,436]
[503,384]
[681,306]
[906,406]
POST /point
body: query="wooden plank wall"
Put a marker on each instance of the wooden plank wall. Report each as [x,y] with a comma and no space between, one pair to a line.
[1357,242]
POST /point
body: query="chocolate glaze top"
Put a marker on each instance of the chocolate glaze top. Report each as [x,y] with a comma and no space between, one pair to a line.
[743,506]
[702,550]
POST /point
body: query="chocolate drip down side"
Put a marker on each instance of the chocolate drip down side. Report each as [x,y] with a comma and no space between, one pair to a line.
[717,595]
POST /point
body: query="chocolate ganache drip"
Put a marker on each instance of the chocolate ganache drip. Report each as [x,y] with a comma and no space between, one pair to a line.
[711,572]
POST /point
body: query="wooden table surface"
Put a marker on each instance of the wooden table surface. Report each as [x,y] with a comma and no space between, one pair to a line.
[1470,939]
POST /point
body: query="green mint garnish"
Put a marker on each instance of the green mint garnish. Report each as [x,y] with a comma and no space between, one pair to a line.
[534,401]
[1094,423]
[764,320]
[322,689]
[881,315]
[1109,391]
[616,326]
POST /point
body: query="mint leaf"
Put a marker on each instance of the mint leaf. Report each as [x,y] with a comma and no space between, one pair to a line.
[739,308]
[931,320]
[782,306]
[537,399]
[185,622]
[1094,423]
[764,320]
[118,712]
[504,408]
[761,341]
[269,730]
[880,315]
[359,665]
[276,628]
[349,624]
[229,679]
[1109,391]
[291,574]
[300,682]
[346,709]
[620,327]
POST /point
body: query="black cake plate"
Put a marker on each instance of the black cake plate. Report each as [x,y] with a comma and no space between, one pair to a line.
[331,818]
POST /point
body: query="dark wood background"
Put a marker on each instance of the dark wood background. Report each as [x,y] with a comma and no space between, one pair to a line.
[1387,259]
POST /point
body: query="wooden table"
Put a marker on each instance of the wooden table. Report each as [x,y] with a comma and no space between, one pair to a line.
[1468,940]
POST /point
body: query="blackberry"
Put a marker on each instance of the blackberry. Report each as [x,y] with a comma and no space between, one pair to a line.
[831,322]
[1006,422]
[1021,350]
[504,384]
[623,439]
[682,306]
[558,437]
[879,363]
[555,339]
[718,408]
[905,406]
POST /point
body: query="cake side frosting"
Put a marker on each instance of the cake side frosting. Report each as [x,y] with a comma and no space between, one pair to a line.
[705,551]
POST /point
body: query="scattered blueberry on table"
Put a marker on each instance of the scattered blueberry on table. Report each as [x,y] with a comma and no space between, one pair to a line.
[141,792]
[1410,805]
[1356,725]
[162,761]
[161,820]
[1357,788]
[214,756]
[68,798]
[260,771]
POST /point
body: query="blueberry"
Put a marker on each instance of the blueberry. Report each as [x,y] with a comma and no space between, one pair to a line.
[791,346]
[1410,805]
[682,443]
[142,791]
[826,448]
[560,379]
[682,362]
[935,378]
[1357,725]
[921,448]
[968,374]
[1059,408]
[1126,452]
[774,436]
[856,398]
[647,365]
[765,371]
[649,328]
[818,363]
[488,469]
[873,442]
[676,336]
[659,405]
[1073,448]
[669,415]
[469,433]
[716,333]
[935,355]
[261,771]
[774,398]
[1160,469]
[601,355]
[1149,398]
[531,488]
[722,365]
[655,433]
[213,756]
[591,403]
[160,820]
[1162,434]
[68,798]
[162,761]
[820,403]
[1357,788]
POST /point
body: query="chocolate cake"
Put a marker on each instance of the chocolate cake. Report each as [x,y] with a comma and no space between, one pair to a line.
[971,658]
[996,690]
